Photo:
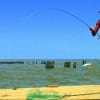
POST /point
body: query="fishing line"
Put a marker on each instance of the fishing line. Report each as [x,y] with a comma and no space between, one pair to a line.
[69,95]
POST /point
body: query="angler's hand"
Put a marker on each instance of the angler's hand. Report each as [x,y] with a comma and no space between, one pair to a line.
[92,29]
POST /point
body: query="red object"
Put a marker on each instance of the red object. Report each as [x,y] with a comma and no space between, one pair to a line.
[95,29]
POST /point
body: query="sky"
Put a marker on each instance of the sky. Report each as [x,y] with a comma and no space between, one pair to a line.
[31,29]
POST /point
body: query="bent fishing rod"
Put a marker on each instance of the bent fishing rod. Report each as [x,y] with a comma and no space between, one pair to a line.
[76,17]
[69,13]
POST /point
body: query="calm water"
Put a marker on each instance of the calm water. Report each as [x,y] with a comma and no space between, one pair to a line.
[36,75]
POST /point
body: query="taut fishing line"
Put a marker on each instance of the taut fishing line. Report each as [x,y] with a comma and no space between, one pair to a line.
[69,95]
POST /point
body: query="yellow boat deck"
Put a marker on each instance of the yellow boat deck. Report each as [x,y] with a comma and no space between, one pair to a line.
[76,92]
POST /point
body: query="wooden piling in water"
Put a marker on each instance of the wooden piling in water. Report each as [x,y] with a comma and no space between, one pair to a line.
[43,62]
[74,65]
[49,64]
[67,64]
[83,62]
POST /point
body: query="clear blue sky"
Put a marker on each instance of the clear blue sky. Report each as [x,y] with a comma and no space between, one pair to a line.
[28,30]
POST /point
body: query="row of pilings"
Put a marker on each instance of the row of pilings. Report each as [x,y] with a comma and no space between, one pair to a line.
[67,64]
[51,64]
[11,62]
[47,63]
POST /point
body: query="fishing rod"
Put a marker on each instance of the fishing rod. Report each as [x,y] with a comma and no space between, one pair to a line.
[69,13]
[76,17]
